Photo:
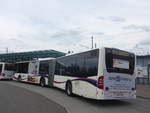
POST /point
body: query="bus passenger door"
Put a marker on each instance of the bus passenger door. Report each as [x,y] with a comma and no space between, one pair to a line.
[51,72]
[33,72]
[33,68]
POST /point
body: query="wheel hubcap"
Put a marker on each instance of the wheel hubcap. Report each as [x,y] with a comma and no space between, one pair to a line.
[68,90]
[42,83]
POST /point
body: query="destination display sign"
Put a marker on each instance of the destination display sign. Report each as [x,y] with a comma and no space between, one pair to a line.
[120,53]
[119,63]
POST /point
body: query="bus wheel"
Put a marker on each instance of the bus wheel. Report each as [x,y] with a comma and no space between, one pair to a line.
[42,82]
[69,88]
[19,78]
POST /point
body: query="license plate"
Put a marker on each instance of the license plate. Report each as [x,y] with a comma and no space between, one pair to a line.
[118,94]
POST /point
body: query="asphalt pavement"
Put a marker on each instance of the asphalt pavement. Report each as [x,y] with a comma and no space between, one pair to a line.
[78,104]
[143,91]
[15,99]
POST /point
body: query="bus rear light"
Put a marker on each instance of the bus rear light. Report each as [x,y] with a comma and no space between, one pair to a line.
[100,82]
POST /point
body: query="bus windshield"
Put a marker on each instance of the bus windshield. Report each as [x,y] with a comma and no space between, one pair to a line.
[119,61]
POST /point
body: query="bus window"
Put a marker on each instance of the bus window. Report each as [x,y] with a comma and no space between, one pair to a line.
[1,68]
[44,67]
[119,61]
[22,67]
[10,67]
[79,65]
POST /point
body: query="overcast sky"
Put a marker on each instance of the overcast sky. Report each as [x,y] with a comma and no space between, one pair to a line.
[69,24]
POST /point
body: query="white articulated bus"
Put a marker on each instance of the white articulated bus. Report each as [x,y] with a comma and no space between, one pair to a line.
[36,71]
[7,70]
[106,73]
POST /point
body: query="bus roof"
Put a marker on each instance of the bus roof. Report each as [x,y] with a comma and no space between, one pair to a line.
[79,52]
[5,63]
[91,50]
[43,59]
[36,60]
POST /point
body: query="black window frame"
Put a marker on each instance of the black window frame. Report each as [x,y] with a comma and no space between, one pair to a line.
[41,72]
[109,61]
[8,67]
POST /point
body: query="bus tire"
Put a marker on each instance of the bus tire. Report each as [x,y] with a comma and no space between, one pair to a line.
[42,82]
[19,78]
[69,88]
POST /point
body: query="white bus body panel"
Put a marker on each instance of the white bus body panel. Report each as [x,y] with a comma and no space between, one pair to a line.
[120,86]
[6,74]
[80,86]
[30,78]
[101,66]
[33,73]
